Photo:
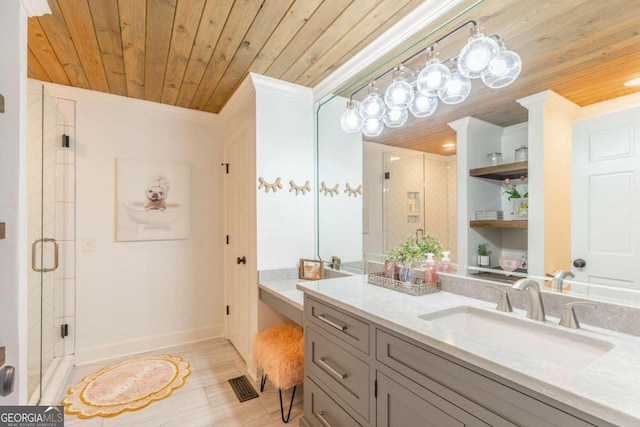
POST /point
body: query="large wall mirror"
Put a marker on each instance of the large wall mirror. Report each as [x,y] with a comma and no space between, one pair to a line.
[415,178]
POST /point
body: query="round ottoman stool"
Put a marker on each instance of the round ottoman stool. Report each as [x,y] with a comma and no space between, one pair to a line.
[278,351]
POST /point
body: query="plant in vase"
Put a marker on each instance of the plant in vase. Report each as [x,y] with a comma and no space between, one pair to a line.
[518,194]
[403,256]
[484,255]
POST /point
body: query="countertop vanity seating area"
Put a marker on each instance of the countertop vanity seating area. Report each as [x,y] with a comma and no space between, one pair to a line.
[374,356]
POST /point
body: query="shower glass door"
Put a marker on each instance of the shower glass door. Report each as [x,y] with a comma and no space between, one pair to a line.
[51,233]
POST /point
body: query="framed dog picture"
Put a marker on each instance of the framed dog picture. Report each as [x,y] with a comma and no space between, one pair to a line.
[311,269]
[152,200]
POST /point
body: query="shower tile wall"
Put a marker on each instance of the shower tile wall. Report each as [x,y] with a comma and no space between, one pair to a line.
[51,203]
[438,195]
[434,178]
[405,176]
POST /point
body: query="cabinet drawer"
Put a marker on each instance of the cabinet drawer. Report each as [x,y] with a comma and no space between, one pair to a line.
[489,400]
[349,329]
[412,405]
[321,410]
[345,374]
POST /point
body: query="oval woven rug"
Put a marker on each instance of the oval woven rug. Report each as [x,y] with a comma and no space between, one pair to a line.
[129,385]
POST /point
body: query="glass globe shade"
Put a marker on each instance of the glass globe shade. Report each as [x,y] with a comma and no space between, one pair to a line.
[350,120]
[503,70]
[372,127]
[457,90]
[372,107]
[433,78]
[423,105]
[399,94]
[395,118]
[476,55]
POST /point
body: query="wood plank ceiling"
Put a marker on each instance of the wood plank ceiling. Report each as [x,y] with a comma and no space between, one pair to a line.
[194,53]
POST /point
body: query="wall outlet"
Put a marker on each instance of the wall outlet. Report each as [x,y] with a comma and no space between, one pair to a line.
[88,245]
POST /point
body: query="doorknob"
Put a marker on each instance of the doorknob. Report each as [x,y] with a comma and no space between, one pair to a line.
[242,260]
[579,263]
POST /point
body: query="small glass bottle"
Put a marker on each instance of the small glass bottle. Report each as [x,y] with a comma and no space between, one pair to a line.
[430,270]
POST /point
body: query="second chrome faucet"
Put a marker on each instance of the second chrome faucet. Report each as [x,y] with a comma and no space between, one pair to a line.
[535,308]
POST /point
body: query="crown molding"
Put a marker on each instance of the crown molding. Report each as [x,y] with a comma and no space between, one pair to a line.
[280,87]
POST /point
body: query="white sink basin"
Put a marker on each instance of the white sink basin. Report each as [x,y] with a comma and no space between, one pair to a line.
[537,340]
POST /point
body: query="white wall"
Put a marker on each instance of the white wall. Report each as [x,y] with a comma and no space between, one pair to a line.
[13,265]
[136,296]
[285,150]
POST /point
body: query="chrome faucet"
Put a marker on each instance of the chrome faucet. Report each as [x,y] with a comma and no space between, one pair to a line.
[558,279]
[535,310]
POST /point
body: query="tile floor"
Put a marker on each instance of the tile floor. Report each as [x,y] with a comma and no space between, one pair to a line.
[206,399]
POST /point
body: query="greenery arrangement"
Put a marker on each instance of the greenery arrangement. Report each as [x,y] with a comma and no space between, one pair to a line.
[483,249]
[412,249]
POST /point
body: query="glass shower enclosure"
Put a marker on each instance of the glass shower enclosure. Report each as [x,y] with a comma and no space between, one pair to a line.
[51,234]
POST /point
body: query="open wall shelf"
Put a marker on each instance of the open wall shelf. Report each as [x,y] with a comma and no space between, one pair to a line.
[518,223]
[500,172]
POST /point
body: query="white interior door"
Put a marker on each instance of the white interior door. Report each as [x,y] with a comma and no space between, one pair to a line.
[237,221]
[606,199]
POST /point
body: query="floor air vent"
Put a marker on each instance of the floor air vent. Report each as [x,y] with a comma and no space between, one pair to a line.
[242,388]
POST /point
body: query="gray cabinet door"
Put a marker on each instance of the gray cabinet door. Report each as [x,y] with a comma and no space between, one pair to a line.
[398,406]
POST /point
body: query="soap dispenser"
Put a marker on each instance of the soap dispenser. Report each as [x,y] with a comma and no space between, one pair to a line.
[445,263]
[430,270]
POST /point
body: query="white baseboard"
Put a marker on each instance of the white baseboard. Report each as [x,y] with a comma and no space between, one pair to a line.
[142,345]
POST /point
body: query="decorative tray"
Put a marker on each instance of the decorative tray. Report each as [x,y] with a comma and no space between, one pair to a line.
[416,287]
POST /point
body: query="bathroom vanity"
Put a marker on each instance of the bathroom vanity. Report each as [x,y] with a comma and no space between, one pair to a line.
[374,356]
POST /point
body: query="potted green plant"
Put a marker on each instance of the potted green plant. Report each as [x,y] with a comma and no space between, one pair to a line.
[484,255]
[403,256]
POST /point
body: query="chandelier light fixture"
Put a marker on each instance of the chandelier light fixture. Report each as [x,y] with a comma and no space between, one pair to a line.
[482,57]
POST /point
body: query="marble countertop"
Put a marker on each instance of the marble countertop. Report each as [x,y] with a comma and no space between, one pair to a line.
[608,388]
[286,290]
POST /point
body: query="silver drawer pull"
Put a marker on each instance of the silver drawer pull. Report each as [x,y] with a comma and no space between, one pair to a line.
[324,422]
[331,323]
[331,368]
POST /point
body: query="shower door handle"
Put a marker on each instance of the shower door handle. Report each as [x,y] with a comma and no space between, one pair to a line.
[55,255]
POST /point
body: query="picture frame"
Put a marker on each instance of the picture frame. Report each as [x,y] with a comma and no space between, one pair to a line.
[311,269]
[152,200]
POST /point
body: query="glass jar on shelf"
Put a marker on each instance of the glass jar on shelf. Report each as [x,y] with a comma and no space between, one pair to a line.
[494,158]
